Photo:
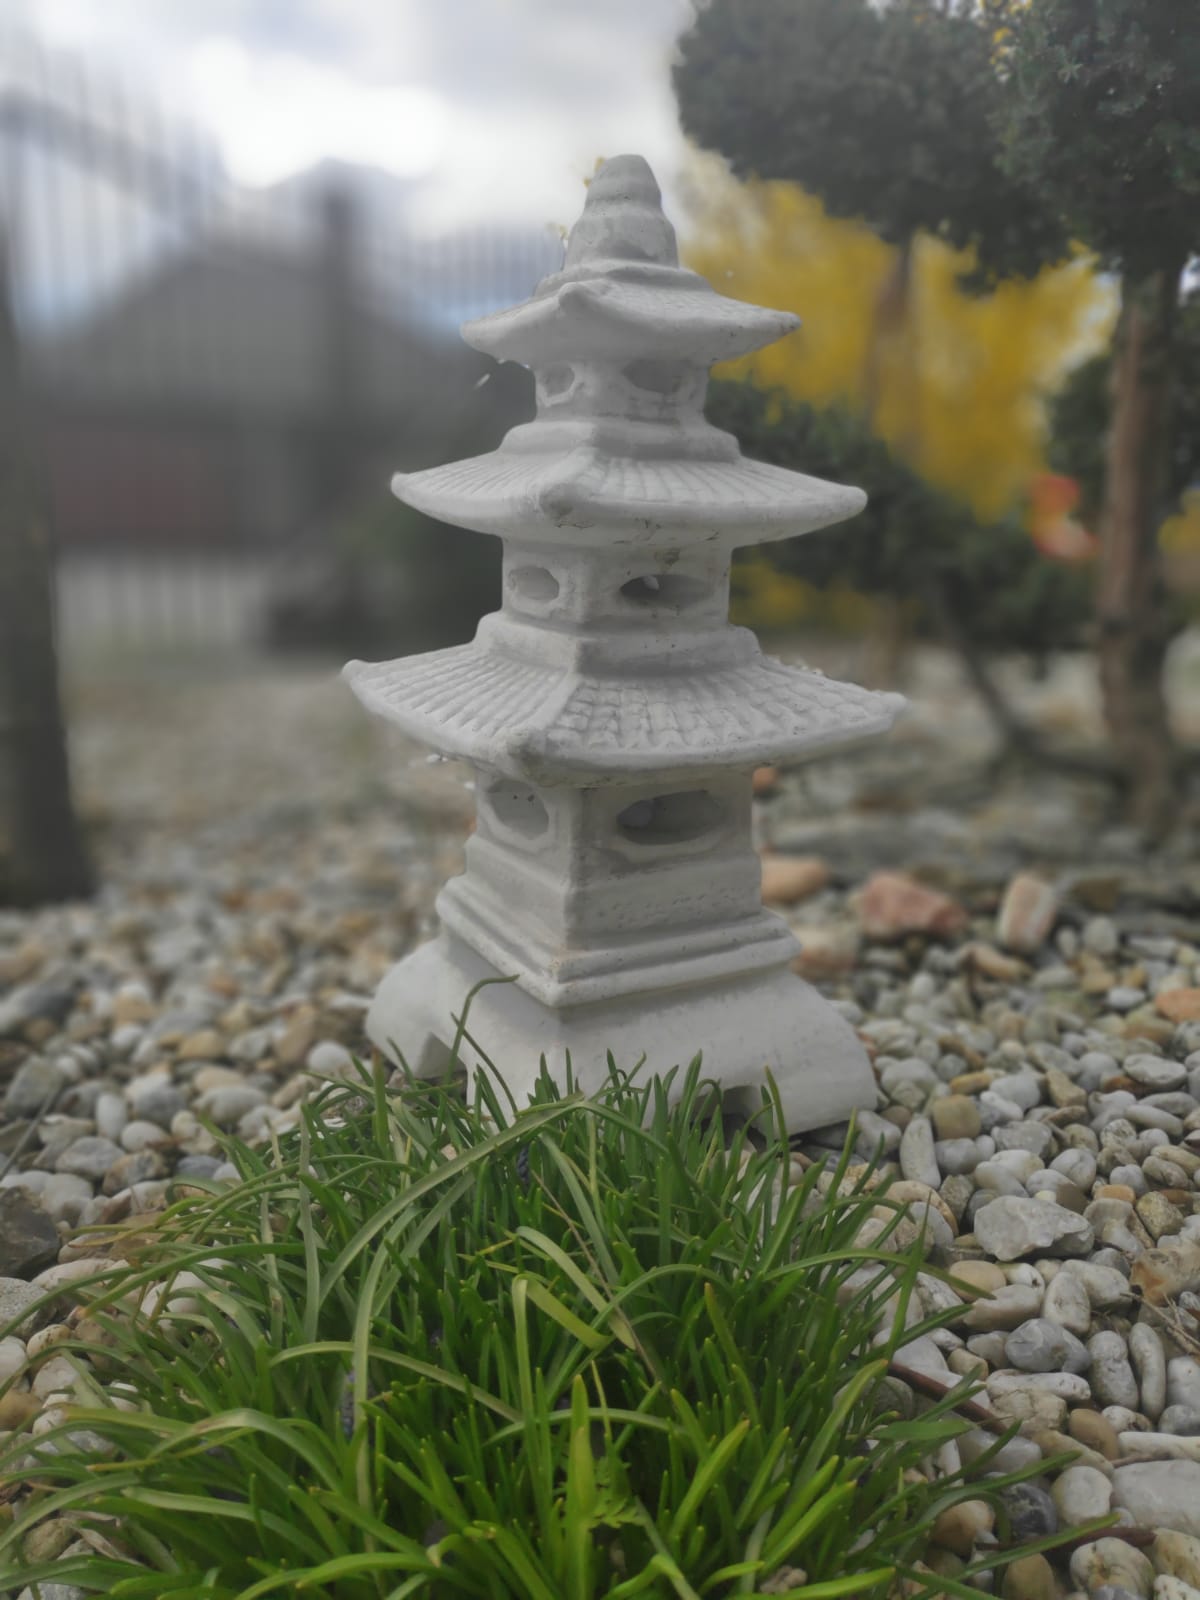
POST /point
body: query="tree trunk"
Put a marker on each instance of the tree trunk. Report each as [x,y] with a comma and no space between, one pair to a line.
[951,622]
[41,852]
[1130,600]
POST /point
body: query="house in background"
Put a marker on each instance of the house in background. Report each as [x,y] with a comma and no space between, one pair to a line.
[210,430]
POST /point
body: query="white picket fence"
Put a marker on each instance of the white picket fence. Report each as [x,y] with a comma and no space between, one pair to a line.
[138,601]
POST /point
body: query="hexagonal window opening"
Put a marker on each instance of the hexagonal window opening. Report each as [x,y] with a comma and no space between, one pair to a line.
[537,584]
[519,810]
[665,591]
[665,819]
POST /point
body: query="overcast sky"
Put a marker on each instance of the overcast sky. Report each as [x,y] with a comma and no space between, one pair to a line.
[491,108]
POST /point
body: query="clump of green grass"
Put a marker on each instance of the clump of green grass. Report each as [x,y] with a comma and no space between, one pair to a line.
[448,1348]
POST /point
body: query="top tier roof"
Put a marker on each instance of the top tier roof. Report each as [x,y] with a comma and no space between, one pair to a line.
[622,291]
[620,451]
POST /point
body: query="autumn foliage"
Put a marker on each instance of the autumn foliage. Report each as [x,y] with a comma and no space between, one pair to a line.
[955,383]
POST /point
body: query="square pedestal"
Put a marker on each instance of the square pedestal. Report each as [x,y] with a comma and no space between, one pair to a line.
[740,1026]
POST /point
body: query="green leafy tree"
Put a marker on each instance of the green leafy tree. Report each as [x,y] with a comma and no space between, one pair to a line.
[1015,129]
[887,113]
[1104,114]
[1082,413]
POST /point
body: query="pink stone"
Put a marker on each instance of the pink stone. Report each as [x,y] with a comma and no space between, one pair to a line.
[1178,1005]
[891,905]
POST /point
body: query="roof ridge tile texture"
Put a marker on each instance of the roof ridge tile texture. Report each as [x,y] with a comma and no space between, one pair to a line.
[612,712]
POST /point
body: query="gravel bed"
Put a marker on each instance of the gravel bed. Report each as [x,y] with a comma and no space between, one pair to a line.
[1035,1036]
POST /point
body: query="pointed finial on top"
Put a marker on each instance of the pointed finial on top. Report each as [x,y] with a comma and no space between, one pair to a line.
[622,218]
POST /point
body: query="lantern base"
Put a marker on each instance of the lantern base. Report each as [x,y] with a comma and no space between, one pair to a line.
[767,1018]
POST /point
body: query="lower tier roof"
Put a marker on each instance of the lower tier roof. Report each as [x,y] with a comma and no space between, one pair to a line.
[520,717]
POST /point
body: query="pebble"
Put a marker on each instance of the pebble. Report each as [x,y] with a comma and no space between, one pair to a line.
[1166,1588]
[981,1275]
[1066,1303]
[228,1103]
[955,1117]
[1031,1511]
[1106,1287]
[1027,913]
[28,1237]
[12,1358]
[1005,1309]
[1081,1494]
[157,1102]
[55,1591]
[959,1527]
[56,1374]
[1040,1345]
[64,1196]
[89,1157]
[1077,1165]
[1094,1431]
[1157,1215]
[1183,1382]
[1029,1578]
[137,1135]
[17,1410]
[1009,1228]
[1100,936]
[1034,1409]
[34,1083]
[1111,1562]
[956,1157]
[1112,1379]
[16,1298]
[1150,1365]
[1155,1072]
[1160,1494]
[1180,1419]
[918,1162]
[328,1059]
[873,1132]
[1168,1270]
[1177,1555]
[110,1114]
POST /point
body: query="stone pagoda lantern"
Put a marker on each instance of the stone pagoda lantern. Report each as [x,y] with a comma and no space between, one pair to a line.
[613,716]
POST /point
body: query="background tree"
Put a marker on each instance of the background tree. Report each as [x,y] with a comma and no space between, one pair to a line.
[41,852]
[1103,114]
[980,585]
[1010,129]
[1081,415]
[958,390]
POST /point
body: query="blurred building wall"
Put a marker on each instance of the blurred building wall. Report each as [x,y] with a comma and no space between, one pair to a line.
[219,379]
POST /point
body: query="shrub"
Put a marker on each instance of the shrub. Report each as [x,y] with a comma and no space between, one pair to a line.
[912,543]
[432,1346]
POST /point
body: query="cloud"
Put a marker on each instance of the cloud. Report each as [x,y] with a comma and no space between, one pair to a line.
[277,113]
[503,104]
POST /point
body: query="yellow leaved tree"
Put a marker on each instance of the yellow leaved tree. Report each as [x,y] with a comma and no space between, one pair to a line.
[955,383]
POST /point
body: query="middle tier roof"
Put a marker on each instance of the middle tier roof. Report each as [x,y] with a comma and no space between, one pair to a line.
[534,488]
